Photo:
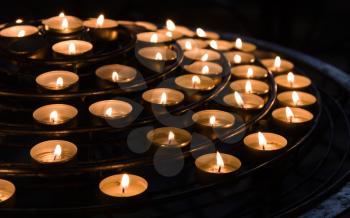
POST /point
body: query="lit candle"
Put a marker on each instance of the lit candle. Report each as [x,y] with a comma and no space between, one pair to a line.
[55,114]
[169,137]
[244,46]
[110,109]
[7,190]
[265,141]
[57,80]
[249,72]
[116,73]
[214,118]
[204,68]
[72,47]
[292,115]
[202,55]
[18,31]
[244,101]
[221,45]
[156,58]
[63,24]
[292,81]
[250,86]
[195,82]
[123,185]
[277,65]
[237,57]
[218,163]
[296,99]
[170,25]
[190,44]
[171,30]
[153,37]
[163,96]
[206,34]
[100,23]
[53,152]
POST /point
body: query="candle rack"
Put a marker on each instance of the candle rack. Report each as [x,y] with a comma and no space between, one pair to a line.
[105,147]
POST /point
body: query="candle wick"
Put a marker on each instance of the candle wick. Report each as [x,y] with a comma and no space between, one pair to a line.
[123,190]
[219,170]
[263,147]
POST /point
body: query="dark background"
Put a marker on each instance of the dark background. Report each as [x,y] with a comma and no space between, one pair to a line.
[319,28]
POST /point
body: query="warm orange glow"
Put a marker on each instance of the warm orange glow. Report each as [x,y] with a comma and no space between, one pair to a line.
[290,78]
[170,25]
[163,98]
[72,48]
[289,114]
[212,120]
[248,87]
[64,24]
[195,80]
[205,69]
[169,34]
[159,56]
[295,98]
[237,59]
[115,76]
[100,20]
[277,63]
[57,152]
[21,33]
[213,44]
[200,32]
[19,20]
[59,82]
[109,112]
[250,72]
[239,43]
[53,117]
[61,14]
[171,137]
[219,161]
[239,99]
[154,38]
[125,182]
[205,57]
[188,45]
[262,140]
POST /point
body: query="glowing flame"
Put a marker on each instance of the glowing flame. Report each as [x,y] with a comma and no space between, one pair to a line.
[169,34]
[250,72]
[200,32]
[159,56]
[239,99]
[262,140]
[109,112]
[195,80]
[115,76]
[163,98]
[219,161]
[125,182]
[237,59]
[154,38]
[72,48]
[205,57]
[212,120]
[64,24]
[214,44]
[205,69]
[290,78]
[289,114]
[277,63]
[239,43]
[171,137]
[59,82]
[19,21]
[100,20]
[61,14]
[53,117]
[295,98]
[170,25]
[188,45]
[21,33]
[248,87]
[57,152]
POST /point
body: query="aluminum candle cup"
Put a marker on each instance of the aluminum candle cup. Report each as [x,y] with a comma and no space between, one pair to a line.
[237,57]
[19,31]
[170,26]
[123,185]
[244,46]
[110,109]
[55,114]
[206,34]
[244,101]
[195,82]
[116,73]
[190,44]
[163,96]
[57,80]
[292,81]
[7,190]
[156,58]
[174,35]
[153,37]
[202,55]
[277,65]
[296,99]
[63,24]
[72,47]
[147,25]
[169,137]
[221,45]
[296,119]
[53,152]
[264,144]
[250,86]
[204,68]
[249,72]
[102,29]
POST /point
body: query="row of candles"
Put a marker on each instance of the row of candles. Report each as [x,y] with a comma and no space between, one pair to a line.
[246,96]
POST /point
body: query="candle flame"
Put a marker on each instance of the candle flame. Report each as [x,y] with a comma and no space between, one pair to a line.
[239,43]
[100,20]
[53,117]
[239,99]
[212,120]
[200,32]
[169,34]
[277,63]
[64,24]
[195,80]
[250,72]
[19,20]
[115,76]
[163,98]
[159,56]
[205,57]
[214,44]
[205,69]
[72,48]
[188,45]
[61,14]
[154,38]
[219,161]
[171,137]
[295,98]
[59,82]
[289,114]
[248,87]
[237,59]
[57,152]
[21,33]
[125,182]
[109,112]
[170,25]
[290,78]
[262,140]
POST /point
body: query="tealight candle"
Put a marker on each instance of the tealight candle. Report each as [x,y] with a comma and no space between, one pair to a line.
[206,34]
[102,28]
[277,65]
[163,96]
[63,24]
[116,73]
[156,58]
[123,185]
[265,141]
[221,45]
[110,109]
[153,37]
[55,114]
[195,82]
[292,81]
[57,80]
[147,25]
[190,44]
[218,163]
[72,47]
[237,57]
[169,137]
[202,55]
[19,31]
[170,25]
[53,152]
[174,35]
[250,86]
[7,190]
[244,46]
[244,101]
[214,118]
[249,72]
[296,99]
[204,68]
[292,115]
